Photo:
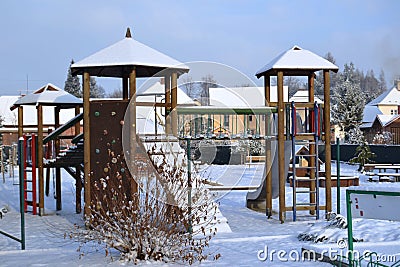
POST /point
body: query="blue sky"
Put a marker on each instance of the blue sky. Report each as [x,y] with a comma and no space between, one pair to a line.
[39,38]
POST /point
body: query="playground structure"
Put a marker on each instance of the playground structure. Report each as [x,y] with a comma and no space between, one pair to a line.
[129,60]
[42,149]
[299,62]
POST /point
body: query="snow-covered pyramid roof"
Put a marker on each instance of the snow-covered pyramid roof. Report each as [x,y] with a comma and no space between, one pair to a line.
[389,97]
[298,59]
[49,95]
[113,60]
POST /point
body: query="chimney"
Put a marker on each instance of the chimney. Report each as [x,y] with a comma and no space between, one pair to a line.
[396,83]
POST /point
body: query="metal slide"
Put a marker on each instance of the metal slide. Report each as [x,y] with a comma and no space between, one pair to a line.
[256,199]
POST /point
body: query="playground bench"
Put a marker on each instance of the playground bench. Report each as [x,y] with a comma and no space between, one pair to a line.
[382,167]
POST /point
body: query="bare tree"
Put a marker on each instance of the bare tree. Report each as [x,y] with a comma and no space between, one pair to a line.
[207,82]
[117,93]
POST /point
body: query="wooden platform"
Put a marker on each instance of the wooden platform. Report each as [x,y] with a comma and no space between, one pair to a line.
[345,181]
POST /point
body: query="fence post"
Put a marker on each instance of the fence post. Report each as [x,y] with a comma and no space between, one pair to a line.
[21,189]
[349,228]
[338,175]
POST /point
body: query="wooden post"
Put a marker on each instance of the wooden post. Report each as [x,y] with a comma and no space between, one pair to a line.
[132,123]
[20,121]
[167,104]
[78,170]
[327,127]
[174,103]
[40,158]
[125,88]
[312,162]
[58,170]
[86,144]
[281,148]
[268,155]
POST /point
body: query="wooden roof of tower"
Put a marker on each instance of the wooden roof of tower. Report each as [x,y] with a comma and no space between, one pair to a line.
[296,62]
[118,59]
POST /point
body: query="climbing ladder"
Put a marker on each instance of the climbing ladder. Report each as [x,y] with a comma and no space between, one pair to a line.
[309,138]
[30,184]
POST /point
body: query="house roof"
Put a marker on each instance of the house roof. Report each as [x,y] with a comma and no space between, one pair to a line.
[301,96]
[386,120]
[49,95]
[298,61]
[147,94]
[116,60]
[243,96]
[370,113]
[389,97]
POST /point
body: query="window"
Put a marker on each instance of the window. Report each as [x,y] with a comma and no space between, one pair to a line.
[250,118]
[393,112]
[226,120]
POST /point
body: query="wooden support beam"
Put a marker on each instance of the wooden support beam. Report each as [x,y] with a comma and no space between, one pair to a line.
[174,103]
[312,162]
[327,127]
[268,154]
[78,202]
[40,159]
[78,169]
[132,125]
[125,88]
[281,148]
[58,170]
[20,121]
[132,84]
[168,106]
[86,138]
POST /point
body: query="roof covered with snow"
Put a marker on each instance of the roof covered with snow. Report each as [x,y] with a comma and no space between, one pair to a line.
[389,98]
[49,95]
[385,120]
[301,96]
[243,96]
[147,94]
[299,61]
[113,60]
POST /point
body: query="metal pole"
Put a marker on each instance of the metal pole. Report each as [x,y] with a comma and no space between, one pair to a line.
[2,164]
[338,175]
[189,181]
[21,190]
[349,229]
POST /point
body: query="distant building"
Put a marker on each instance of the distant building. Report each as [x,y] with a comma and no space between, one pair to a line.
[241,97]
[382,115]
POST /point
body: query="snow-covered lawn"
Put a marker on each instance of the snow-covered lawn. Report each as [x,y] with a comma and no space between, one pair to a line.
[252,237]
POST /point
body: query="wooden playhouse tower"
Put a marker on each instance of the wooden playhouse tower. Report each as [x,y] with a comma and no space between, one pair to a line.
[48,98]
[128,60]
[300,62]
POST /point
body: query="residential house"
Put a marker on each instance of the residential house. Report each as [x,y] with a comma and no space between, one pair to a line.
[382,115]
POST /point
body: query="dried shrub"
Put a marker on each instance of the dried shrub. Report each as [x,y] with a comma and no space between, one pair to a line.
[157,223]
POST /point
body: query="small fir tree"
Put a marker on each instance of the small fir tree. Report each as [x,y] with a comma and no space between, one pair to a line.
[96,91]
[72,84]
[363,156]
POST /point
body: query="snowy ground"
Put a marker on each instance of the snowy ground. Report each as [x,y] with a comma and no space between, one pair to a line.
[251,232]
